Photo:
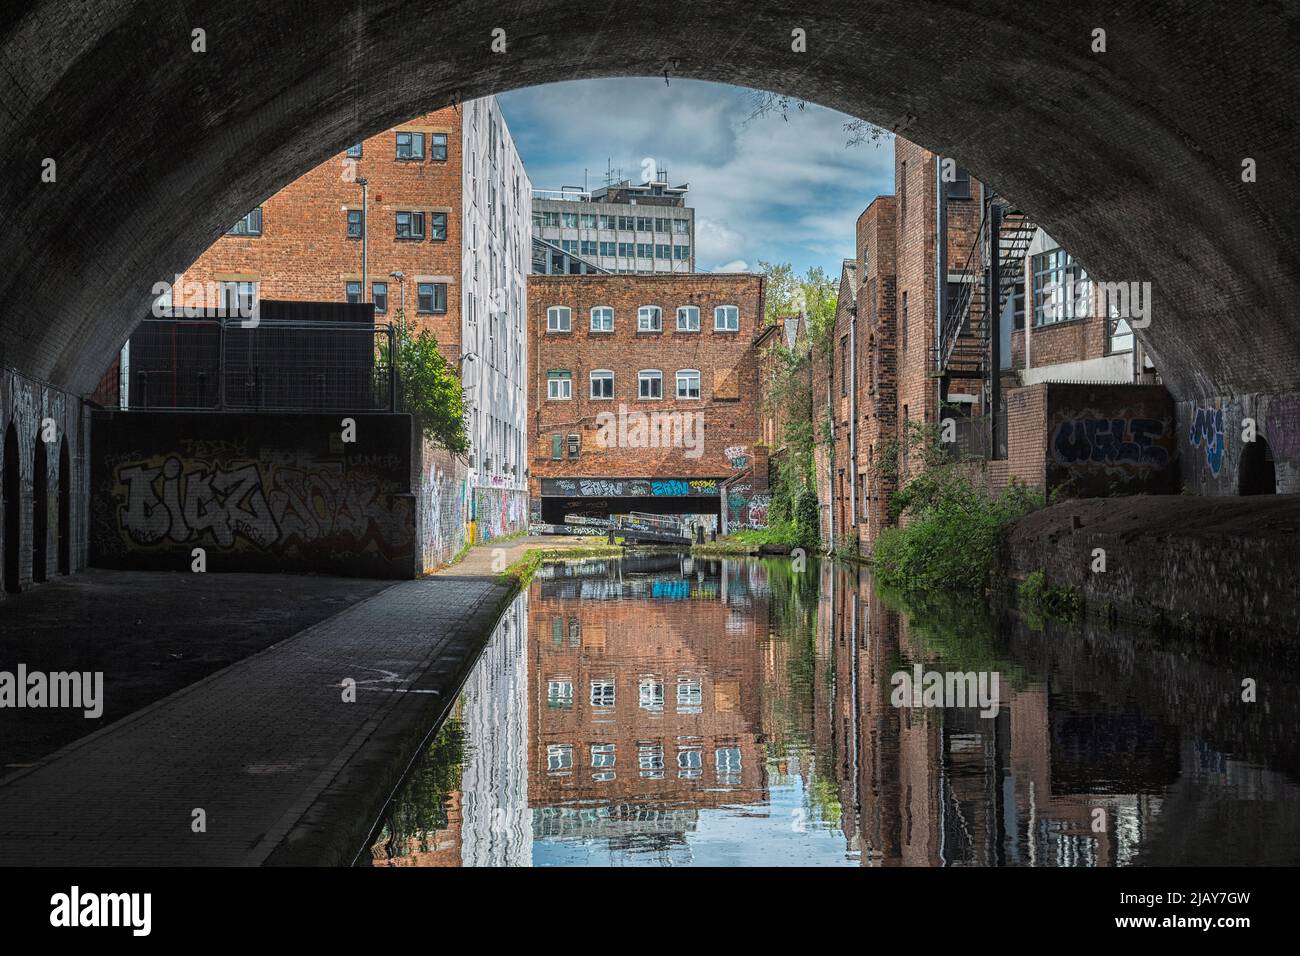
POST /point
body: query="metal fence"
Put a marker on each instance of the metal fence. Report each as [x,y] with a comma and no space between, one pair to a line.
[217,364]
[973,438]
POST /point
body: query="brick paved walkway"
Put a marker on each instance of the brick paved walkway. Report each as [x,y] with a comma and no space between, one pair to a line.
[284,769]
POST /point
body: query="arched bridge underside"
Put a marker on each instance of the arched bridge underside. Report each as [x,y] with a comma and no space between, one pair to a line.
[1132,158]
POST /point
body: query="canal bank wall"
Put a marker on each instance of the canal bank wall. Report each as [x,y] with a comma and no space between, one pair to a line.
[1211,566]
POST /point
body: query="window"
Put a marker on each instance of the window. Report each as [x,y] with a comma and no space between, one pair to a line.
[354,152]
[602,755]
[557,447]
[608,222]
[587,220]
[569,220]
[645,250]
[661,225]
[959,186]
[575,626]
[645,224]
[650,384]
[681,253]
[588,247]
[726,318]
[559,318]
[352,292]
[663,251]
[559,385]
[626,222]
[551,219]
[602,319]
[608,249]
[602,383]
[652,694]
[411,145]
[438,147]
[559,694]
[438,226]
[354,224]
[688,318]
[1121,336]
[688,383]
[726,762]
[682,226]
[431,297]
[570,246]
[1062,290]
[649,318]
[602,693]
[690,760]
[379,293]
[410,225]
[690,693]
[627,249]
[650,758]
[559,757]
[250,225]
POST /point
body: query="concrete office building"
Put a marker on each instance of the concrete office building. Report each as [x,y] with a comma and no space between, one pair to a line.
[624,227]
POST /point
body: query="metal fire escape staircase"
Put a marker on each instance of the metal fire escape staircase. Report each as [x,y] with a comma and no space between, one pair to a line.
[962,351]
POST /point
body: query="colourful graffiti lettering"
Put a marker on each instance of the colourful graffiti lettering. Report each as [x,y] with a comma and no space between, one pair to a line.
[1134,442]
[670,488]
[1207,431]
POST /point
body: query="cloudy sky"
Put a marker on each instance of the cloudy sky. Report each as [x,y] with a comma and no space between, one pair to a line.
[766,189]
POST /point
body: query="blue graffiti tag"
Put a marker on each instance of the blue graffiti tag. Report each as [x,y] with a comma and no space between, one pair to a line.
[1207,429]
[1111,441]
[670,488]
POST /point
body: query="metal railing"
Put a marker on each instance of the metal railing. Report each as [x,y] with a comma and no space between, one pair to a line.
[220,365]
[974,440]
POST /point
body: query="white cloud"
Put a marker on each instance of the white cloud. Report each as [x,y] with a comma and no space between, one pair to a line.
[735,265]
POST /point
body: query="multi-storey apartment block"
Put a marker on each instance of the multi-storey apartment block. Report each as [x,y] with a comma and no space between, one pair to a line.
[621,228]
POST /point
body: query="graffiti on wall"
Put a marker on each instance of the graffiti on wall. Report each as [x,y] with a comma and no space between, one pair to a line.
[167,499]
[498,512]
[745,508]
[630,487]
[1207,432]
[442,500]
[736,456]
[1131,442]
[1282,427]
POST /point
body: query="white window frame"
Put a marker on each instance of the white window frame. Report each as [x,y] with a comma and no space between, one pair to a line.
[598,695]
[559,694]
[688,327]
[603,755]
[559,757]
[646,375]
[718,313]
[603,374]
[553,314]
[688,372]
[554,394]
[643,316]
[610,317]
[651,694]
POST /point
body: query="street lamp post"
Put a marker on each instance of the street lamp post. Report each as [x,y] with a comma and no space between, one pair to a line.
[400,278]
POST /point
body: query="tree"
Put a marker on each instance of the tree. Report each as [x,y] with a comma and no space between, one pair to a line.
[764,103]
[429,389]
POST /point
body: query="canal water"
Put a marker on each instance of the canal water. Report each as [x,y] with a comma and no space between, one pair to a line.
[669,711]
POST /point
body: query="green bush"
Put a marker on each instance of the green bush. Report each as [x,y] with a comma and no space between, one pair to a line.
[807,518]
[951,540]
[430,389]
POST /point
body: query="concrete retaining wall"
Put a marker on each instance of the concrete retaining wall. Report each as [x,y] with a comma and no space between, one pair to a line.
[256,492]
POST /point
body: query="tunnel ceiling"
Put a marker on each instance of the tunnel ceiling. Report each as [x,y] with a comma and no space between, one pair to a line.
[1131,158]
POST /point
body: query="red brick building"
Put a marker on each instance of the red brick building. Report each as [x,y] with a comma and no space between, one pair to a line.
[643,392]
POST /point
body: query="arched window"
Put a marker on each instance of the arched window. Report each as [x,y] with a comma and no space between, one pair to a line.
[688,318]
[602,318]
[649,318]
[602,383]
[688,383]
[559,318]
[650,383]
[726,318]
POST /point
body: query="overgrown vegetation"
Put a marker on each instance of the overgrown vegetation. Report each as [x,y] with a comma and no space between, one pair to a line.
[950,539]
[429,389]
[1039,600]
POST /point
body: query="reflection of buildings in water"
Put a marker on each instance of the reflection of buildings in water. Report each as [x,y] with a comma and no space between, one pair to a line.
[948,787]
[643,710]
[496,830]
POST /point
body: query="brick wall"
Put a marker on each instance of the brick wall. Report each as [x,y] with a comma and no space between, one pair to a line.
[304,252]
[728,364]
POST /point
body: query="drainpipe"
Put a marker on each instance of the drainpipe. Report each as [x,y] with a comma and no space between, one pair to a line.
[940,277]
[365,238]
[830,465]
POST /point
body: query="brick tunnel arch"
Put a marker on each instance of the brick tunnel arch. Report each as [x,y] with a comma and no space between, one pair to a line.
[1131,158]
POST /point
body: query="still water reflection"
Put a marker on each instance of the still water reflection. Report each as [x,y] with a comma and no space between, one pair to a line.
[663,710]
